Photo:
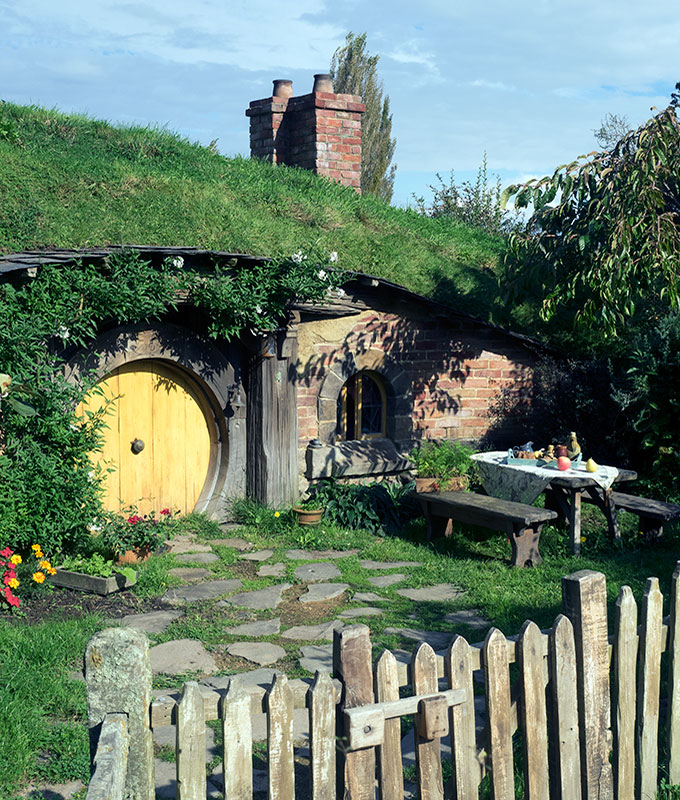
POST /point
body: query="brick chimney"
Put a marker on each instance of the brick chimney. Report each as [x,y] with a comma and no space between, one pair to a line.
[320,131]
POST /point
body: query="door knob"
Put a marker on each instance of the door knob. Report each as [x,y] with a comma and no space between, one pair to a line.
[137,446]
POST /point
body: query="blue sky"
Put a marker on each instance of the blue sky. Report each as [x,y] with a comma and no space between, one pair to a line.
[525,82]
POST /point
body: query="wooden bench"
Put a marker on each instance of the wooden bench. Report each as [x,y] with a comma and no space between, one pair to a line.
[652,513]
[521,523]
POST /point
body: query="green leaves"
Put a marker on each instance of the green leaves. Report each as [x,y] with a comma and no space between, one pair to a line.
[605,244]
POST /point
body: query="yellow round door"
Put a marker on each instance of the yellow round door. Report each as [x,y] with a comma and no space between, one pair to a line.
[157,440]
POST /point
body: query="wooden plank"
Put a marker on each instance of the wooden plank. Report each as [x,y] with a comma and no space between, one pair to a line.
[280,741]
[190,744]
[322,737]
[623,688]
[466,767]
[238,745]
[483,510]
[646,506]
[673,649]
[584,596]
[352,663]
[499,723]
[533,713]
[428,750]
[649,684]
[565,710]
[390,772]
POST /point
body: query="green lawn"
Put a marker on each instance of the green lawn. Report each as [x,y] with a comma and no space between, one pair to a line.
[42,732]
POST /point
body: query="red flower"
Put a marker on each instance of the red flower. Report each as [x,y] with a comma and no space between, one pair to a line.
[6,552]
[165,512]
[134,519]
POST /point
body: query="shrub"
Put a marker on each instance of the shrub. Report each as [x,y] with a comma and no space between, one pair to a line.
[442,460]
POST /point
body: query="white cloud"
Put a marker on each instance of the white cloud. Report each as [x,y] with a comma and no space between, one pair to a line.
[484,84]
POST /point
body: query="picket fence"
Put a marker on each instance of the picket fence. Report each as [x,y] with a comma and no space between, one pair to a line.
[590,712]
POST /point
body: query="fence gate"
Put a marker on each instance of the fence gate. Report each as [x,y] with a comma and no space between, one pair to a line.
[584,711]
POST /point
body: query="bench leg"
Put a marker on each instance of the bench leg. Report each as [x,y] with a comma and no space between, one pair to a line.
[651,528]
[525,547]
[438,527]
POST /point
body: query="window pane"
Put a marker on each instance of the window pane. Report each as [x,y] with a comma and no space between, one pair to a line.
[371,406]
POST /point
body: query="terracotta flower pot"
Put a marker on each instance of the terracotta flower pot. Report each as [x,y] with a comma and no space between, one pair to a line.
[308,516]
[427,485]
[134,556]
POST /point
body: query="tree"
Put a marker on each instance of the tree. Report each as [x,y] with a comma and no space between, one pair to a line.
[355,72]
[675,96]
[612,129]
[607,231]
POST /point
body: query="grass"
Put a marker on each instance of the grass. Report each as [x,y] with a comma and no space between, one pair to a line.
[42,711]
[72,181]
[42,730]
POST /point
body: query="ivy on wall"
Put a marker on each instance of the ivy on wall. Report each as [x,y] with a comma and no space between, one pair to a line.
[49,492]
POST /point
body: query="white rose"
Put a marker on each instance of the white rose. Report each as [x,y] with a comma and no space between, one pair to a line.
[297,257]
[64,332]
[322,274]
[333,257]
[177,262]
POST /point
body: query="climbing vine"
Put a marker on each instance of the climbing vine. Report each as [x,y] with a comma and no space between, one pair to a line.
[50,492]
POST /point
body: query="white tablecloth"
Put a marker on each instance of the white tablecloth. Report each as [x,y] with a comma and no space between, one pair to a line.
[523,483]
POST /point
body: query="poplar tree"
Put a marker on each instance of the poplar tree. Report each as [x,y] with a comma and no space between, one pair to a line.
[354,71]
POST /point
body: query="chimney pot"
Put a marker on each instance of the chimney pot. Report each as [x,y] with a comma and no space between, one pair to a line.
[283,88]
[323,83]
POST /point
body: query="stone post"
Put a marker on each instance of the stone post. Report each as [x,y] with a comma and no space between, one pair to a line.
[118,680]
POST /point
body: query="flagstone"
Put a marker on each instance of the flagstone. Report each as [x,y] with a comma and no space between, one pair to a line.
[320,592]
[151,622]
[437,639]
[198,558]
[324,630]
[272,570]
[381,581]
[323,571]
[186,546]
[235,543]
[261,653]
[269,597]
[181,655]
[367,597]
[189,574]
[201,591]
[260,555]
[368,564]
[365,611]
[472,617]
[317,657]
[318,555]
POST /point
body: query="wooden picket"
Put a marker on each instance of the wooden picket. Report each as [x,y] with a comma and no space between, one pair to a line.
[558,706]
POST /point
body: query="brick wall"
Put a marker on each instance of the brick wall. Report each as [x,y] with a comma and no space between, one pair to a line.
[320,131]
[447,374]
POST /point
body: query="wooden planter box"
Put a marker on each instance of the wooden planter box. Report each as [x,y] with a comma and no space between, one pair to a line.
[91,583]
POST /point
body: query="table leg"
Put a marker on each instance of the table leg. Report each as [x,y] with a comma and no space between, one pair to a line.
[609,509]
[575,521]
[438,527]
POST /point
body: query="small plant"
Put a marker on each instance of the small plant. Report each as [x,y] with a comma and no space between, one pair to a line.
[95,565]
[442,461]
[137,532]
[313,503]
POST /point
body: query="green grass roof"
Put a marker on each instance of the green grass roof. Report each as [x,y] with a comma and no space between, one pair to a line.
[71,181]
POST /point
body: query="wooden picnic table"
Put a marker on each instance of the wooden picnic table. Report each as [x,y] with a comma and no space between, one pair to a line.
[564,490]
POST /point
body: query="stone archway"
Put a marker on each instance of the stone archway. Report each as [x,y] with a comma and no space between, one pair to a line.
[397,385]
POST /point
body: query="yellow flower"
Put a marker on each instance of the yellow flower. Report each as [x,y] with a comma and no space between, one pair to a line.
[39,554]
[16,559]
[38,577]
[35,547]
[13,583]
[51,571]
[277,513]
[45,565]
[583,538]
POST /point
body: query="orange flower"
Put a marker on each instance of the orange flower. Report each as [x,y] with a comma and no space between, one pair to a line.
[45,565]
[51,571]
[35,547]
[38,577]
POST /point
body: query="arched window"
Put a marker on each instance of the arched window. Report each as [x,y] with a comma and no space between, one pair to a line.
[362,407]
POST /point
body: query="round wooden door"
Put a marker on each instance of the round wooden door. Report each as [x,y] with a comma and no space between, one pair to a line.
[157,443]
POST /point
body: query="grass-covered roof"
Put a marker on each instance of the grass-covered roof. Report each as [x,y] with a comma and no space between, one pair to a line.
[70,181]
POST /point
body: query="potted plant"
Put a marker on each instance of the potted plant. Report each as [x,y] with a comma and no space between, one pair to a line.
[309,512]
[133,538]
[442,466]
[93,573]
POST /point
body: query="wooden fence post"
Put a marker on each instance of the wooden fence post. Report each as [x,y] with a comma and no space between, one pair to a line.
[624,661]
[673,650]
[584,596]
[352,664]
[118,679]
